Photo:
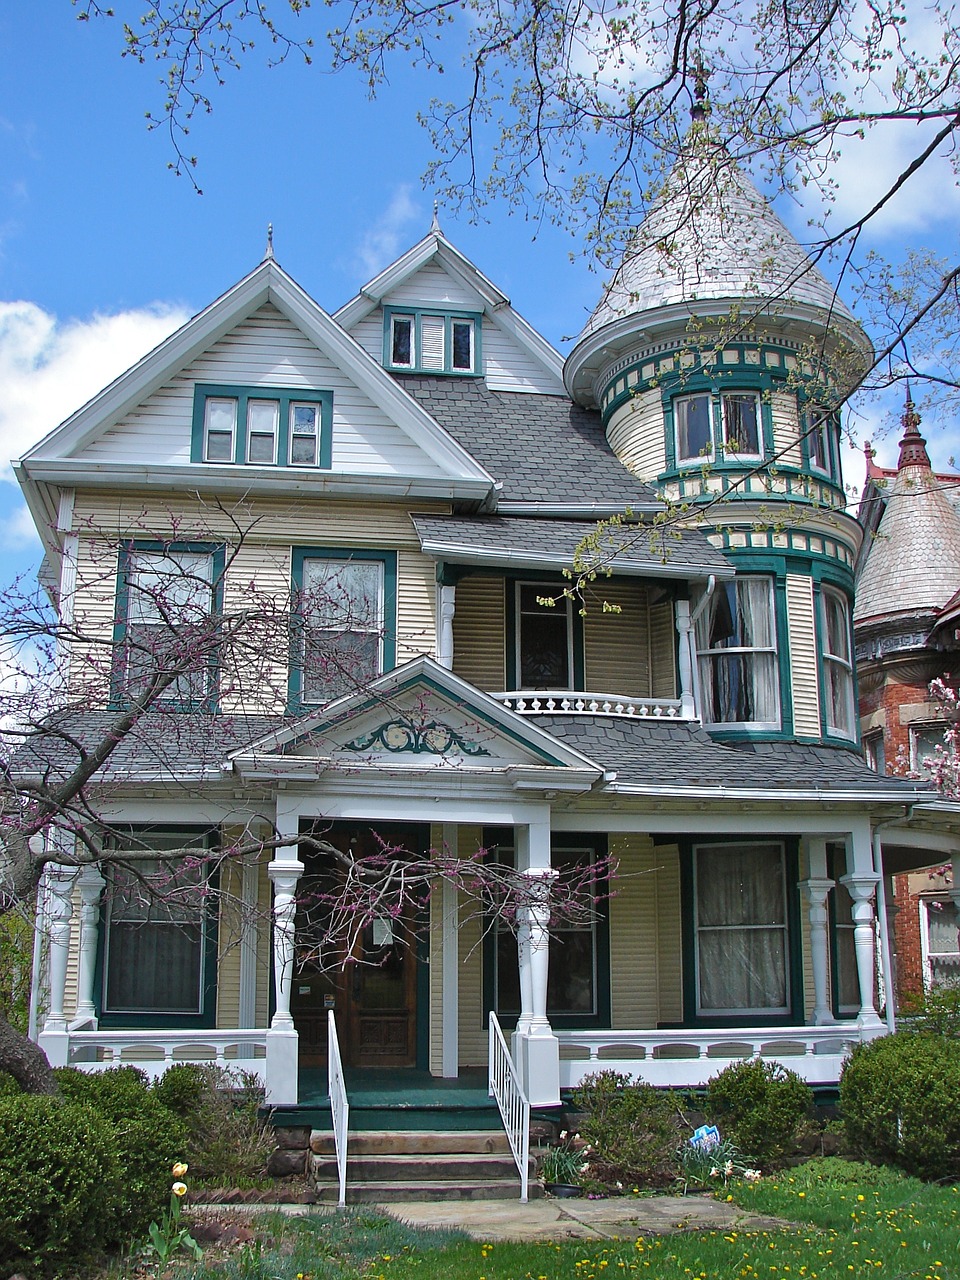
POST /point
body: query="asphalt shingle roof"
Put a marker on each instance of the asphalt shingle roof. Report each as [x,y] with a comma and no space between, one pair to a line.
[543,448]
[534,541]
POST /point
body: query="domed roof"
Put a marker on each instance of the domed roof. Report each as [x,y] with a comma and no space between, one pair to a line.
[712,236]
[913,566]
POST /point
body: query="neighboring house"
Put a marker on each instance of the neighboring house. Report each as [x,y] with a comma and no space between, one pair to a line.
[429,461]
[906,635]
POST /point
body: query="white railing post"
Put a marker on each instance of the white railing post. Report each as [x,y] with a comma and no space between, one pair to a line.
[339,1106]
[505,1087]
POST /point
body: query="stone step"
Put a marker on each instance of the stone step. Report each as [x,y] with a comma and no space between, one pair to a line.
[401,1192]
[433,1167]
[415,1142]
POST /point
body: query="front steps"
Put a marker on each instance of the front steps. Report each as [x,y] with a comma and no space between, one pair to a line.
[389,1168]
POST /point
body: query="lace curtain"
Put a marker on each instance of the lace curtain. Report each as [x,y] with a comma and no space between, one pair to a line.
[736,647]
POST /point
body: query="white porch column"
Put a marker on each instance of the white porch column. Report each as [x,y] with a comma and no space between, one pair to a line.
[685,660]
[282,1039]
[861,883]
[535,1047]
[816,892]
[91,884]
[448,607]
[54,1039]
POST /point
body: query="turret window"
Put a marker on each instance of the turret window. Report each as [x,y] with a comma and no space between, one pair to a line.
[837,663]
[694,432]
[741,424]
[737,655]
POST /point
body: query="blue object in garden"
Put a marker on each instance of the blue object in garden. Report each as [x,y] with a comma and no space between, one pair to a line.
[706,1137]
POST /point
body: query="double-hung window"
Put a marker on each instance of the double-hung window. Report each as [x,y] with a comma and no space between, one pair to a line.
[544,637]
[262,426]
[818,442]
[837,662]
[694,433]
[926,747]
[741,424]
[940,942]
[740,929]
[157,935]
[167,596]
[346,621]
[428,341]
[737,655]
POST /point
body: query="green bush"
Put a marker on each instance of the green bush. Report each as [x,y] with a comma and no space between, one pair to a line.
[149,1140]
[937,1010]
[631,1131]
[228,1142]
[898,1097]
[758,1105]
[59,1177]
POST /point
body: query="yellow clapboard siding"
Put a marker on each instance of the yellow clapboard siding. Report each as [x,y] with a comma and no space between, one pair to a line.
[644,919]
[228,942]
[479,631]
[669,945]
[663,649]
[473,1033]
[616,646]
[803,656]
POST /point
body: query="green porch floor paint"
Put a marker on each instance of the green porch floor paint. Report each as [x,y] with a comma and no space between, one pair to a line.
[399,1099]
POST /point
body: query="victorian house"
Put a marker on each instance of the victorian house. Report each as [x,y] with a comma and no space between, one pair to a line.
[424,467]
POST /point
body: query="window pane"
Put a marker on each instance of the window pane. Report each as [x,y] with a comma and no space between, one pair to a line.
[544,641]
[837,665]
[463,344]
[220,418]
[817,442]
[336,663]
[169,595]
[343,611]
[263,417]
[304,434]
[741,431]
[736,644]
[402,350]
[694,439]
[342,594]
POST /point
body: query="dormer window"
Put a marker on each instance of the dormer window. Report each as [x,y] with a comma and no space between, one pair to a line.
[262,426]
[432,341]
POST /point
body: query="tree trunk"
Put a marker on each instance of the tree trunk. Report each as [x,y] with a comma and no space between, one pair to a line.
[25,1061]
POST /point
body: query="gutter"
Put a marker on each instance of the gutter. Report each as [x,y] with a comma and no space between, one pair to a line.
[456,554]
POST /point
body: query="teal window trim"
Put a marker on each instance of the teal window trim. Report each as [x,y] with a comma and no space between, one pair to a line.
[449,315]
[128,549]
[552,584]
[285,397]
[388,621]
[503,837]
[831,438]
[207,1017]
[794,951]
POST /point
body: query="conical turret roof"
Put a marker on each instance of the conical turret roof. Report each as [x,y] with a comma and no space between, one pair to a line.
[913,567]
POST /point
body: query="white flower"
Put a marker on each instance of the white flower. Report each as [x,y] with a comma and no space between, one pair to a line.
[752,1175]
[728,1169]
[179,1188]
[714,1172]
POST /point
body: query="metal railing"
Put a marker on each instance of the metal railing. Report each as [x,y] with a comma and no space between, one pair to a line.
[505,1087]
[339,1106]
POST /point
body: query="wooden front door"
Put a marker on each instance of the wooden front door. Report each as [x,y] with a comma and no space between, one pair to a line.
[369,979]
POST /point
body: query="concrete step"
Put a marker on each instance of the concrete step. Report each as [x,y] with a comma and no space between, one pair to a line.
[402,1192]
[445,1167]
[415,1142]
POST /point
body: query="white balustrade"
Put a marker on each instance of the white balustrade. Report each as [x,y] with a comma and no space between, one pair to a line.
[339,1106]
[505,1087]
[687,1058]
[242,1049]
[552,702]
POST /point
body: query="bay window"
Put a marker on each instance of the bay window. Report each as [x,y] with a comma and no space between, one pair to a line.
[737,655]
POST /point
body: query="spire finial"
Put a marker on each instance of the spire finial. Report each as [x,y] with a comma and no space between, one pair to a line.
[268,253]
[435,224]
[700,107]
[913,447]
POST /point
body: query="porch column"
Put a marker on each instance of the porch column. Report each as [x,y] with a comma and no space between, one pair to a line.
[535,1047]
[91,884]
[54,1039]
[282,1039]
[816,892]
[450,964]
[861,882]
[448,607]
[685,660]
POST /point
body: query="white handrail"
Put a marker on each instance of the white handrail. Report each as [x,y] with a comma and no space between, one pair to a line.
[514,1108]
[339,1106]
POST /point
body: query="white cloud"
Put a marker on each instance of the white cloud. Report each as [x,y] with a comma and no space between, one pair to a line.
[49,368]
[18,532]
[387,238]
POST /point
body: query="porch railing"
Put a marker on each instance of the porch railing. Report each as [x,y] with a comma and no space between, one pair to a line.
[514,1108]
[339,1106]
[551,702]
[689,1057]
[154,1051]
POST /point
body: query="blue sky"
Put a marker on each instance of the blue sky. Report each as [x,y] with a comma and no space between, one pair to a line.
[103,250]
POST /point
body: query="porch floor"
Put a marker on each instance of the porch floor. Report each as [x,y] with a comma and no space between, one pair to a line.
[399,1098]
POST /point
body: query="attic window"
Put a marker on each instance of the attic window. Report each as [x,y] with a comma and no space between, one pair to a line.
[262,426]
[429,341]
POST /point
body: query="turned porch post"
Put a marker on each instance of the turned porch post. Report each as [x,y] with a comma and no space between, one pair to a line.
[91,885]
[535,1047]
[282,1039]
[861,882]
[58,912]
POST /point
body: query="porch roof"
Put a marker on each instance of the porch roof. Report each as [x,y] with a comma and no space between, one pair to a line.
[544,543]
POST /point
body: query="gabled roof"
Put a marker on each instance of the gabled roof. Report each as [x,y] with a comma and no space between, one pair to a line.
[435,247]
[266,283]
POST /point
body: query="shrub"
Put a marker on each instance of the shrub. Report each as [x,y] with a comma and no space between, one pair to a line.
[758,1105]
[937,1010]
[631,1131]
[898,1096]
[148,1137]
[59,1176]
[228,1142]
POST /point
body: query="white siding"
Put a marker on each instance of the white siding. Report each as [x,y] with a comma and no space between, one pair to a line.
[786,428]
[803,657]
[432,286]
[509,366]
[636,435]
[266,350]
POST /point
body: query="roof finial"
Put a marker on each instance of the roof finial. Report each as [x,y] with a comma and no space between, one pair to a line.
[268,253]
[913,447]
[435,224]
[701,106]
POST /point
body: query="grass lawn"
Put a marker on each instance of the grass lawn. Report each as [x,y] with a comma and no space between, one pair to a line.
[850,1221]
